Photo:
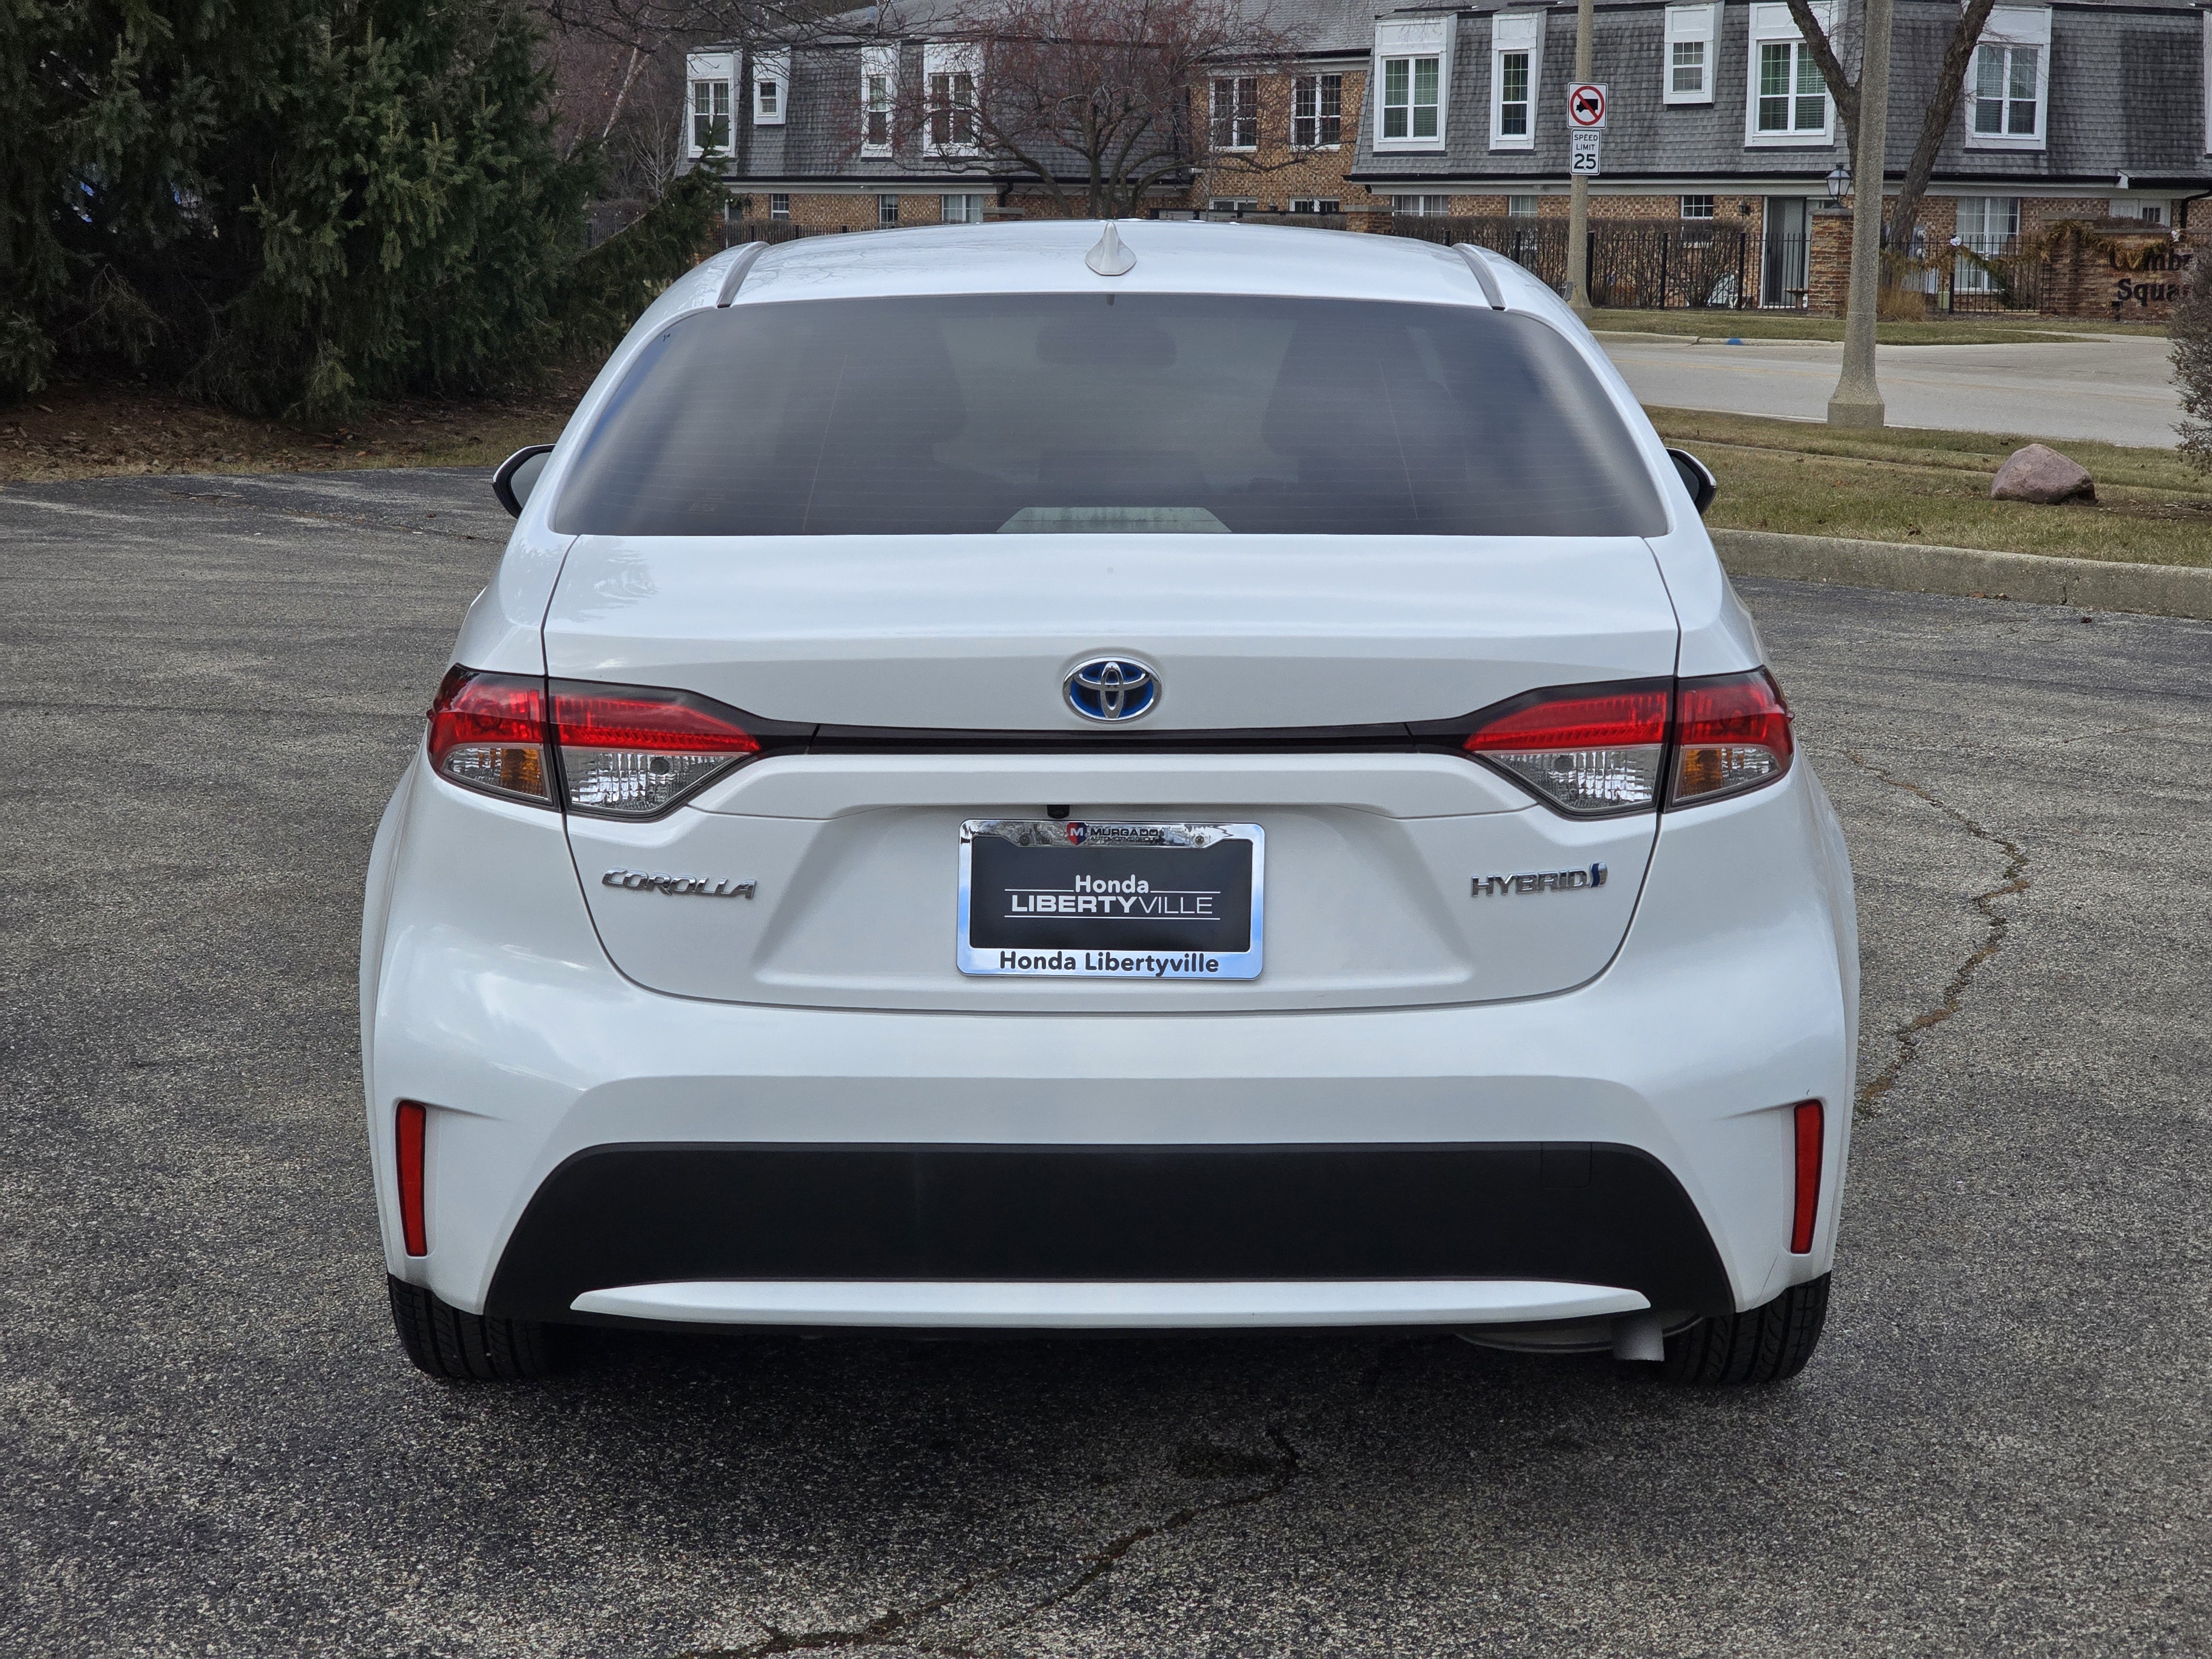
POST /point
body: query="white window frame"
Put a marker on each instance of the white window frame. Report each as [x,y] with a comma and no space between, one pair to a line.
[779,204]
[771,88]
[1771,25]
[1232,204]
[876,61]
[1690,26]
[2013,26]
[1423,207]
[713,72]
[1711,205]
[1316,204]
[887,202]
[1309,94]
[1411,41]
[1513,33]
[1233,109]
[1513,209]
[963,209]
[1966,276]
[950,62]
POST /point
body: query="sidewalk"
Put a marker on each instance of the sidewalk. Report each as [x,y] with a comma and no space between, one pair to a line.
[2118,391]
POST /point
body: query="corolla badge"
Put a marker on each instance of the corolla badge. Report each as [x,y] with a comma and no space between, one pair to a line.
[680,886]
[1111,688]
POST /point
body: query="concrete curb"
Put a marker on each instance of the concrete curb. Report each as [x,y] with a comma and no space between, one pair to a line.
[2152,589]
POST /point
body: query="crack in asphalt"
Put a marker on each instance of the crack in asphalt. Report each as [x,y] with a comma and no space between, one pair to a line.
[2012,883]
[898,1624]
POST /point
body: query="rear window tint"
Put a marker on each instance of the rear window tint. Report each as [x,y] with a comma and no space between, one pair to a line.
[1072,413]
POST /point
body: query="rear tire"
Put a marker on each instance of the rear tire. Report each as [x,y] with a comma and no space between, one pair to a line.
[1765,1344]
[465,1347]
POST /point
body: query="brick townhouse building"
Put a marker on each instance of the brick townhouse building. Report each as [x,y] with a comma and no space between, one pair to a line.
[2075,110]
[812,132]
[2080,110]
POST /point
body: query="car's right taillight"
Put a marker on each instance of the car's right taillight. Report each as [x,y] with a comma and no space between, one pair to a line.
[1731,733]
[488,732]
[1588,751]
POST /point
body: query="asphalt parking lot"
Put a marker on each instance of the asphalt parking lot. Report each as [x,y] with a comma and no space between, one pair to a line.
[212,1444]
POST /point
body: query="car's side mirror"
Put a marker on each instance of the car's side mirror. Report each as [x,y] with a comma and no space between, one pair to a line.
[1695,479]
[518,476]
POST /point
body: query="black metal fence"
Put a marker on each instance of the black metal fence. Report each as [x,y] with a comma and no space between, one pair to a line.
[1634,264]
[1987,274]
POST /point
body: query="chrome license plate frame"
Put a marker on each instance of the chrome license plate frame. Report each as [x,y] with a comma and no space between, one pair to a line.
[1134,925]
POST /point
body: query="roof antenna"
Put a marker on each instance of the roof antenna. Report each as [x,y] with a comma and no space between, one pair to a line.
[1109,258]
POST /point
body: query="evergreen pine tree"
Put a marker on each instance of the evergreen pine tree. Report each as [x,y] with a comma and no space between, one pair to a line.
[291,205]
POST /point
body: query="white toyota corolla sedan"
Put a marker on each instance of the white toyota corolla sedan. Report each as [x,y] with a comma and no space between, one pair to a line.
[1192,777]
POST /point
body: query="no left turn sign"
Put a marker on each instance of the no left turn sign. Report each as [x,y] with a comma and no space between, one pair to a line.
[1586,105]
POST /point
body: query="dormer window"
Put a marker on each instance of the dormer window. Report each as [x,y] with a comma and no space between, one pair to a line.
[950,73]
[2008,82]
[1787,98]
[878,80]
[771,88]
[1413,59]
[1692,43]
[707,112]
[710,115]
[1516,67]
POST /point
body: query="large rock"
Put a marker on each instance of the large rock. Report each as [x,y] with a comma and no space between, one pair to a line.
[2040,473]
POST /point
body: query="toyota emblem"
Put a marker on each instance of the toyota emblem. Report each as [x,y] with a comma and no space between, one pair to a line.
[1111,688]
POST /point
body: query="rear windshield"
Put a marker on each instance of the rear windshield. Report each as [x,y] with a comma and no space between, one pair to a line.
[961,413]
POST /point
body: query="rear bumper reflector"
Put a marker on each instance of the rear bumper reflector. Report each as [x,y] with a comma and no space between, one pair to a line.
[1810,1125]
[412,1125]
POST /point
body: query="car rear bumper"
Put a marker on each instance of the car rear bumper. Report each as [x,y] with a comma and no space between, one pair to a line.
[598,1150]
[1100,1216]
[1031,1304]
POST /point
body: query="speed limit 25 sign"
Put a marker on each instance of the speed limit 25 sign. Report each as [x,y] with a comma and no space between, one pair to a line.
[1586,107]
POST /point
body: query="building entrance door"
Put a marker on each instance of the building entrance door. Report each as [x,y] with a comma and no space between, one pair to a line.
[1782,268]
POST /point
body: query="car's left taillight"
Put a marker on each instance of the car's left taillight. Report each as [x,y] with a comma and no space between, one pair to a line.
[630,751]
[488,732]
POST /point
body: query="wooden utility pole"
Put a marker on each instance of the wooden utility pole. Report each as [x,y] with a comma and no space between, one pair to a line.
[1858,399]
[1578,186]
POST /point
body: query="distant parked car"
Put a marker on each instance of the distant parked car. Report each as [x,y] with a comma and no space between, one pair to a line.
[1029,778]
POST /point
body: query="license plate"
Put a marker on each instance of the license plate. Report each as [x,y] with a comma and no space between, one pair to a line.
[1085,899]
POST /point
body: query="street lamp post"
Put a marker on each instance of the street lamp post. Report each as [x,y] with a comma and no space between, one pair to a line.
[1858,399]
[1578,186]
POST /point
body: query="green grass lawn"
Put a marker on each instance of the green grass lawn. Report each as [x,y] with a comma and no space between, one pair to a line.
[1903,485]
[1785,325]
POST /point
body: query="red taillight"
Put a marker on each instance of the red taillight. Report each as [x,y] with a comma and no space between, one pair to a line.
[1731,733]
[1595,749]
[412,1123]
[488,732]
[629,751]
[1587,752]
[1809,1135]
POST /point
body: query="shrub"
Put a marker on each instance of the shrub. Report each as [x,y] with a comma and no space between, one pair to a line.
[2192,334]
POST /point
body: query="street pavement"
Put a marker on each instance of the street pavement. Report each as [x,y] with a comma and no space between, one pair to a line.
[212,1445]
[2116,390]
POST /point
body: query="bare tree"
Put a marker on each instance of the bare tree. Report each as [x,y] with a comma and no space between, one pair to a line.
[629,38]
[1935,120]
[1097,103]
